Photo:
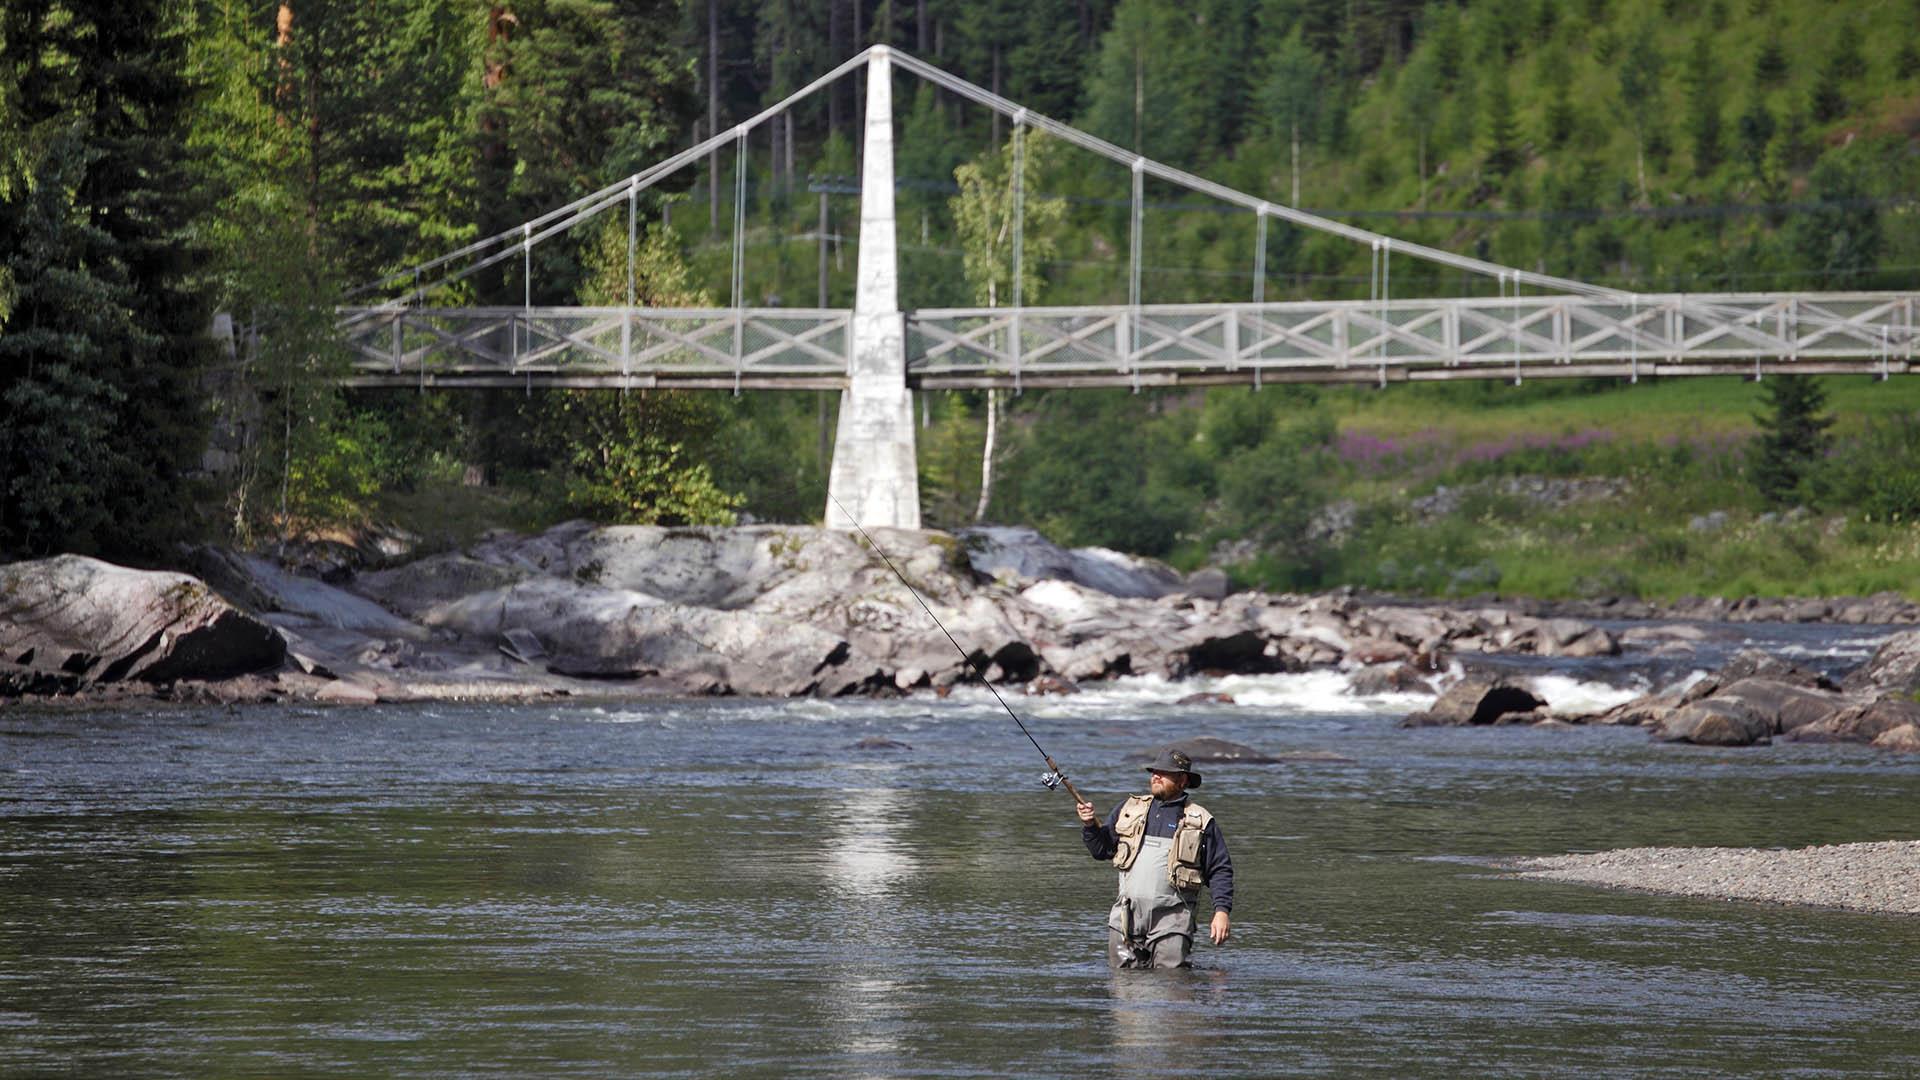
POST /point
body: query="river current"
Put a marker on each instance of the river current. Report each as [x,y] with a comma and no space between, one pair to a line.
[731,888]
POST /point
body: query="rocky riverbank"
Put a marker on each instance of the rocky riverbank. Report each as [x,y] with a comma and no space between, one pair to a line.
[782,611]
[1883,877]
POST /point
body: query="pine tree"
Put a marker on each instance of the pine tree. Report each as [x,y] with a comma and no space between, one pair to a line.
[1503,132]
[1640,76]
[1704,105]
[1291,100]
[1770,66]
[1793,436]
[103,336]
[1756,127]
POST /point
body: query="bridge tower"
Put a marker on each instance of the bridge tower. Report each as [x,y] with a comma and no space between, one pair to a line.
[874,476]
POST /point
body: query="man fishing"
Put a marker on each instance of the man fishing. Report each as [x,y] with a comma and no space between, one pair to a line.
[1165,848]
[1152,921]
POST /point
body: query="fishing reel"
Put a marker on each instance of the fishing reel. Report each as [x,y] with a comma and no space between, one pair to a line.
[1051,780]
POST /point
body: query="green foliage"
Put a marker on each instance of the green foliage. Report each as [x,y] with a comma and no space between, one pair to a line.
[984,218]
[642,479]
[101,314]
[1879,472]
[576,93]
[1503,135]
[1089,472]
[1793,435]
[1704,104]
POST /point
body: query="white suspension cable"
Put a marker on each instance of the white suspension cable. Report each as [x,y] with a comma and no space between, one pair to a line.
[1100,146]
[738,281]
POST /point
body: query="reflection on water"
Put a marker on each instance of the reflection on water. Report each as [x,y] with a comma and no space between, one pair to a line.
[865,832]
[868,863]
[724,888]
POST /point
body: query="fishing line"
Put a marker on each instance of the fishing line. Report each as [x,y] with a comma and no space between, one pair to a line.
[1053,777]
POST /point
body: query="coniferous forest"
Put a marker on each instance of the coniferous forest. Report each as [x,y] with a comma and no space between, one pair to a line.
[164,162]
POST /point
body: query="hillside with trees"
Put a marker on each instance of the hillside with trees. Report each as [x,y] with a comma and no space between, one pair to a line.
[161,162]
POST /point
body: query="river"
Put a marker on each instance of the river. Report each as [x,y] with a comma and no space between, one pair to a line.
[726,888]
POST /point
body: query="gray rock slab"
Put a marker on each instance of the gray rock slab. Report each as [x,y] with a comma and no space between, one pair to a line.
[99,622]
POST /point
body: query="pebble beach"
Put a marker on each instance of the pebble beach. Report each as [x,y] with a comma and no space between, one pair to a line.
[1881,877]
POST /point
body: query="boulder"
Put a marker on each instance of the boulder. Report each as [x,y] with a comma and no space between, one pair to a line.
[1475,700]
[1860,721]
[1905,739]
[1373,650]
[1207,750]
[1051,684]
[589,631]
[1388,679]
[416,590]
[1648,711]
[1026,554]
[97,622]
[1210,582]
[1419,628]
[1894,666]
[1715,722]
[1752,663]
[1653,636]
[342,692]
[1206,697]
[880,742]
[1573,638]
[1784,705]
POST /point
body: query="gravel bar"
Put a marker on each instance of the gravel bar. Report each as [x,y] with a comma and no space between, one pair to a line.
[1881,876]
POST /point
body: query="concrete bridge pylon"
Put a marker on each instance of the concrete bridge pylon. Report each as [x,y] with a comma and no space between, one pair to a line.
[874,480]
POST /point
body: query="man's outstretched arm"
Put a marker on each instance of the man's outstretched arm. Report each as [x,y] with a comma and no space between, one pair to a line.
[1100,841]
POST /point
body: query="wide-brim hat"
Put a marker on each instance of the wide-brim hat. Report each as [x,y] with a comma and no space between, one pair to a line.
[1172,760]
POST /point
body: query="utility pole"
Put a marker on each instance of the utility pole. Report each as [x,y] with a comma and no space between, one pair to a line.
[822,234]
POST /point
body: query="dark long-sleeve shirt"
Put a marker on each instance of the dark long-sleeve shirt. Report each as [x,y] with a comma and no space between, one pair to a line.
[1216,868]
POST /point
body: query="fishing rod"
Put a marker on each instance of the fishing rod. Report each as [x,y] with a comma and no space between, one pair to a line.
[1053,777]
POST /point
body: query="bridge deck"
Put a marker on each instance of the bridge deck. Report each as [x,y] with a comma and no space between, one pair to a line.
[1148,346]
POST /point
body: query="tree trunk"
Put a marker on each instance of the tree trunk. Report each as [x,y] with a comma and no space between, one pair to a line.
[837,47]
[1296,163]
[1423,168]
[986,456]
[823,249]
[713,112]
[920,28]
[1640,164]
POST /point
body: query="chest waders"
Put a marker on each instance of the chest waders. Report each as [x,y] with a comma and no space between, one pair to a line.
[1151,924]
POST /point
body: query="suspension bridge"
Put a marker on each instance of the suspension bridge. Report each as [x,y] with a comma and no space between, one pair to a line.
[877,354]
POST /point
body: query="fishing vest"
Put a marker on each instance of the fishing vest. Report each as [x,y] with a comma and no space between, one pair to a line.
[1183,855]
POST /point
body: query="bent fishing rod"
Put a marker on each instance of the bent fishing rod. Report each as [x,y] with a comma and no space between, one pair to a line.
[1053,777]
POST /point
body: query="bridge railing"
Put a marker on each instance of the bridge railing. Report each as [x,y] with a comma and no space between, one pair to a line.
[596,345]
[1475,337]
[1357,340]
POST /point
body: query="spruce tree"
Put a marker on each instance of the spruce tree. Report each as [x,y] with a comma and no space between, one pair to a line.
[1793,436]
[1503,133]
[104,334]
[1703,105]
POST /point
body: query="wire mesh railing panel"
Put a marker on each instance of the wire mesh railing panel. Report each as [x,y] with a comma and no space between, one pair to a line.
[812,343]
[1291,335]
[958,342]
[1072,341]
[1173,339]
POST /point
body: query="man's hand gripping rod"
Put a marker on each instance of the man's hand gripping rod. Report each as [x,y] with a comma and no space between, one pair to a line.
[1053,777]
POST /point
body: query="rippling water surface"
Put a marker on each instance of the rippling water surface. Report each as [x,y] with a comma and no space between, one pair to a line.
[726,888]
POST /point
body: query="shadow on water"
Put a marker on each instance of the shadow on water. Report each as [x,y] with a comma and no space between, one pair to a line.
[725,888]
